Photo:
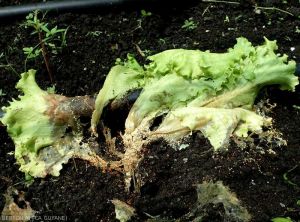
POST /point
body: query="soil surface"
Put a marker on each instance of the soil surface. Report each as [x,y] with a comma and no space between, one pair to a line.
[94,41]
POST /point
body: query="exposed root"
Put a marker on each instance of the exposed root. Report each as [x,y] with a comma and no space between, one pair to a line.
[134,143]
[111,142]
[95,160]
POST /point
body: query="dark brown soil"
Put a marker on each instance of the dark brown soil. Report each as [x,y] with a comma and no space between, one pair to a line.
[82,192]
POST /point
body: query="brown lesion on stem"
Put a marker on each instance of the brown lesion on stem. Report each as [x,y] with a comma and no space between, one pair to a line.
[64,109]
[78,106]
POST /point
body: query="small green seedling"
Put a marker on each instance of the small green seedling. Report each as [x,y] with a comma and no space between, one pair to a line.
[189,24]
[2,93]
[5,64]
[49,38]
[286,178]
[145,13]
[226,19]
[94,33]
[162,41]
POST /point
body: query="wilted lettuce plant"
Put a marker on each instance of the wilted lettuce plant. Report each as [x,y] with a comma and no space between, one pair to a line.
[195,90]
[191,90]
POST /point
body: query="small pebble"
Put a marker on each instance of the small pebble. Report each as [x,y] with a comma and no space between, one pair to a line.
[281,204]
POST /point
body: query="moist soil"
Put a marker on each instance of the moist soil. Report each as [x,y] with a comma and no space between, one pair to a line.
[95,40]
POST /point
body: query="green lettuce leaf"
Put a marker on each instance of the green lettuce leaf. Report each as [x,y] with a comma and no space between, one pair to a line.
[218,87]
[216,124]
[119,81]
[42,144]
[26,120]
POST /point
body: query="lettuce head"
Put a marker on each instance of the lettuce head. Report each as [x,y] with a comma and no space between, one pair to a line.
[199,90]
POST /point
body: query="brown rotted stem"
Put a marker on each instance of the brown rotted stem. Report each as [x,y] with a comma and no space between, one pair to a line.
[45,56]
[78,105]
[65,109]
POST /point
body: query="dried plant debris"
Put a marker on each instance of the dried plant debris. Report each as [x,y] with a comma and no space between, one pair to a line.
[13,212]
[124,212]
[215,202]
[215,199]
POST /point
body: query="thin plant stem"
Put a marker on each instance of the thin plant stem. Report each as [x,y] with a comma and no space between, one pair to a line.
[26,59]
[45,56]
[257,7]
[275,9]
[220,1]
